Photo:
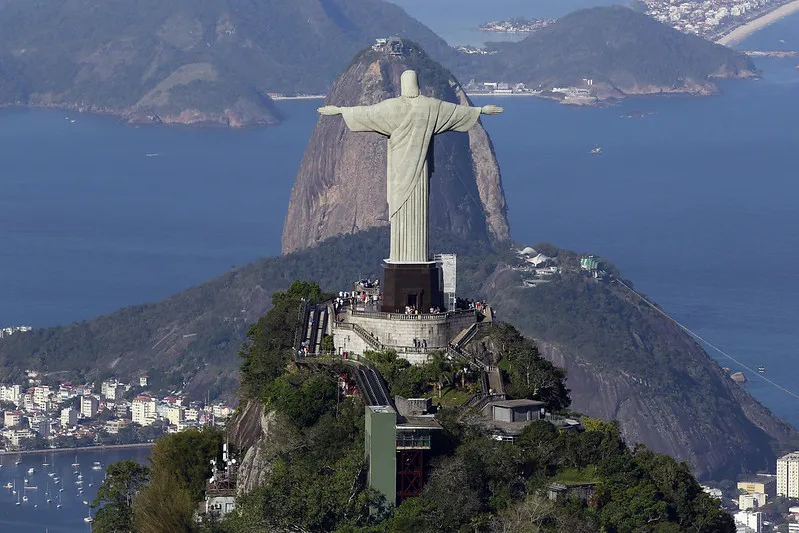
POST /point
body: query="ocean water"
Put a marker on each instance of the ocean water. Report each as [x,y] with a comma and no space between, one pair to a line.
[695,202]
[38,516]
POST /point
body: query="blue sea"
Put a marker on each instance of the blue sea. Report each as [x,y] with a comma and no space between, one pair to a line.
[36,515]
[696,202]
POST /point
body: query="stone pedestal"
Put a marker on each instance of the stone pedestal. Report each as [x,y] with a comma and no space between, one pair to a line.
[416,284]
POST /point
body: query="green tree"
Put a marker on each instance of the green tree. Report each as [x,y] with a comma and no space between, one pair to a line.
[115,497]
[267,349]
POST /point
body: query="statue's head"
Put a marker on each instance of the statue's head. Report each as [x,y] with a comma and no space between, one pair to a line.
[409,84]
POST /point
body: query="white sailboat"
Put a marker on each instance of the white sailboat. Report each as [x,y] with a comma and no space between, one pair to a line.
[59,501]
[88,519]
[18,501]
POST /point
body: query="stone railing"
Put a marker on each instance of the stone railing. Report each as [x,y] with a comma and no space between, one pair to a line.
[435,317]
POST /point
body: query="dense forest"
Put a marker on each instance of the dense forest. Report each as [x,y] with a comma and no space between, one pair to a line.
[317,477]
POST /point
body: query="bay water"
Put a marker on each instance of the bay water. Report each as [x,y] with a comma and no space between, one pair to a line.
[64,488]
[694,199]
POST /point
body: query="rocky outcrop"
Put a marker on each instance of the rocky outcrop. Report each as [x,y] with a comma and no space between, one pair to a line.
[341,184]
[665,391]
[264,435]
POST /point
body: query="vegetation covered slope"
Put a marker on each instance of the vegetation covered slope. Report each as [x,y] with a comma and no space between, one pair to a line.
[627,362]
[623,362]
[316,477]
[616,47]
[186,60]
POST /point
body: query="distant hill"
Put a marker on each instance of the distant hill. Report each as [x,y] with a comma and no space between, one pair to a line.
[187,61]
[214,61]
[328,199]
[623,51]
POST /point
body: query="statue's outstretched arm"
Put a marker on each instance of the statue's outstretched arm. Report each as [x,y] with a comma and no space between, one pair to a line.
[330,110]
[491,110]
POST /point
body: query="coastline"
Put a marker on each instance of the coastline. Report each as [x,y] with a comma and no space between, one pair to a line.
[742,32]
[80,449]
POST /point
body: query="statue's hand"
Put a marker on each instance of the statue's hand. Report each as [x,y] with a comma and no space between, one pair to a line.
[329,110]
[491,110]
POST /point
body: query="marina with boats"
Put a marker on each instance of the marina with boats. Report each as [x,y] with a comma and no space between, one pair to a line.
[55,489]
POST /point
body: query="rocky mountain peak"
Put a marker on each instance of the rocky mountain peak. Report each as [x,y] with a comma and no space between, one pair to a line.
[341,184]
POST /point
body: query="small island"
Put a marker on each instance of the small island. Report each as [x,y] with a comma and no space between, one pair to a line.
[516,25]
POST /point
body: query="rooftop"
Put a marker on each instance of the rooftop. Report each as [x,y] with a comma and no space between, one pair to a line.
[517,403]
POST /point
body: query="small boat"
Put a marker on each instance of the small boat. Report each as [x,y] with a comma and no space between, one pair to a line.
[24,498]
[97,466]
[761,369]
[76,463]
[80,476]
[596,151]
[31,471]
[18,461]
[8,486]
[51,474]
[85,502]
[60,490]
[88,519]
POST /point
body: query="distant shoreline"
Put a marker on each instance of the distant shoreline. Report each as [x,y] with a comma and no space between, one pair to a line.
[305,97]
[742,32]
[103,447]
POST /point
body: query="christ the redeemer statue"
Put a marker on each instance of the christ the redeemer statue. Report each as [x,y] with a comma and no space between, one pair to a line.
[409,121]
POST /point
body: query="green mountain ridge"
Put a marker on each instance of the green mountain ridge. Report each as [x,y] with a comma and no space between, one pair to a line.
[691,410]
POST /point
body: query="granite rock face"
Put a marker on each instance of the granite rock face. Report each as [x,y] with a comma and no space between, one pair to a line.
[341,184]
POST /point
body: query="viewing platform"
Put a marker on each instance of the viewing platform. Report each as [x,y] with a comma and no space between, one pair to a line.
[412,336]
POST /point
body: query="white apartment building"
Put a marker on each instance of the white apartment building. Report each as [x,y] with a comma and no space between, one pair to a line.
[753,501]
[112,390]
[10,393]
[69,417]
[12,418]
[17,435]
[750,520]
[88,406]
[143,410]
[41,396]
[788,475]
[175,415]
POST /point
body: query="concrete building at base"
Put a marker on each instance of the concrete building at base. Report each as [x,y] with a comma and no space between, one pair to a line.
[788,475]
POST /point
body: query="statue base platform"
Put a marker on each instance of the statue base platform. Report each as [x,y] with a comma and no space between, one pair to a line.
[411,284]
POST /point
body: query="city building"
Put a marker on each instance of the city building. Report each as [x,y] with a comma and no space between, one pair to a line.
[143,410]
[788,475]
[748,502]
[12,418]
[10,393]
[113,426]
[88,406]
[763,484]
[41,396]
[175,414]
[69,417]
[752,520]
[144,381]
[16,436]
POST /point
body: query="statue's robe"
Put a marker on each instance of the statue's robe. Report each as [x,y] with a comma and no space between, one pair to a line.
[410,124]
